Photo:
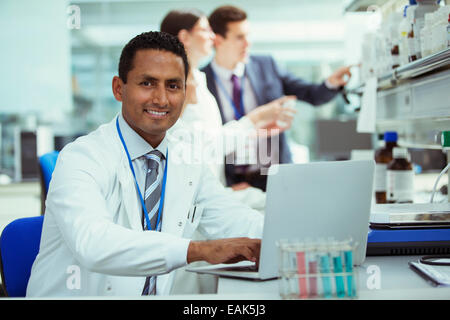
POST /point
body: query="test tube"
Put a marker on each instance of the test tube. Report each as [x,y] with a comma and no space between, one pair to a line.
[283,256]
[312,268]
[301,270]
[337,268]
[282,265]
[288,104]
[348,258]
[292,271]
[325,270]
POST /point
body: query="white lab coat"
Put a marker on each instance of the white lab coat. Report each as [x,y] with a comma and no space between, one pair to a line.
[202,122]
[92,241]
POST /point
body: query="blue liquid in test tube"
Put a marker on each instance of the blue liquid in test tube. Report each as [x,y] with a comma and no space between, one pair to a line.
[348,256]
[340,287]
[325,268]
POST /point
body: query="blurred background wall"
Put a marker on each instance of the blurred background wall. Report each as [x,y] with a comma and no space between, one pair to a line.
[58,58]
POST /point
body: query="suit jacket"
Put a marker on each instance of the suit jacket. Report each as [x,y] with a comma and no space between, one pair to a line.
[92,240]
[270,82]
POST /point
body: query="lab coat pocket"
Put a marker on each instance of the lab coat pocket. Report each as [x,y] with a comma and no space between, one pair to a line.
[192,220]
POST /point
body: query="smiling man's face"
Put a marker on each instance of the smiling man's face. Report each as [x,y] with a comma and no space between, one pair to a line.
[153,95]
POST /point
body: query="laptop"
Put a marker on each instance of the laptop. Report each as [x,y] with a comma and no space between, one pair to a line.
[313,200]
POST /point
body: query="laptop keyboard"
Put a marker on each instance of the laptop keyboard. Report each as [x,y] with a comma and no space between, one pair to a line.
[251,268]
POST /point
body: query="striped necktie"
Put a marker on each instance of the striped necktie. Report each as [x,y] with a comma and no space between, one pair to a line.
[152,197]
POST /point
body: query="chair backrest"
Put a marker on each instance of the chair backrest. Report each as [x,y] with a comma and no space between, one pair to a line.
[19,245]
[47,164]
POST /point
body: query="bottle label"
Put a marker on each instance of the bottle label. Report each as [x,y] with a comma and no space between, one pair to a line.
[395,60]
[400,185]
[448,36]
[418,47]
[412,47]
[418,26]
[380,177]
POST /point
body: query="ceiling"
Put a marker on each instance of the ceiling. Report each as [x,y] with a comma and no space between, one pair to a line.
[110,24]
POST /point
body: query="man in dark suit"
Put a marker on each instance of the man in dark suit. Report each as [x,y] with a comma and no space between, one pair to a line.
[241,82]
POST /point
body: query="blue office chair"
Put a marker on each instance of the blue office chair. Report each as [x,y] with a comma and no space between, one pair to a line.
[47,164]
[19,245]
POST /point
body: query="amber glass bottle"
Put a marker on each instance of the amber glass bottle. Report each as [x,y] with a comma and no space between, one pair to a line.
[382,158]
[412,46]
[400,178]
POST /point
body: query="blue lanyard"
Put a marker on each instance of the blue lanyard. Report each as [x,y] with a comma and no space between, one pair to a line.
[237,113]
[163,191]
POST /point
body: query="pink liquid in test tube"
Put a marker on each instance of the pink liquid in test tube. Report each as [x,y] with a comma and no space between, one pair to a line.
[312,280]
[301,269]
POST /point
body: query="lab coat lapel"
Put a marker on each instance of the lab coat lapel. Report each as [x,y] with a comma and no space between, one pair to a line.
[128,195]
[127,192]
[179,192]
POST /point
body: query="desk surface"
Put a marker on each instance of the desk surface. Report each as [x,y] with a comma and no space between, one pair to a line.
[396,281]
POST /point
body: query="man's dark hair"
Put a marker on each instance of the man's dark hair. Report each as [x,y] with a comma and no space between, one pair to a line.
[220,17]
[150,40]
[177,20]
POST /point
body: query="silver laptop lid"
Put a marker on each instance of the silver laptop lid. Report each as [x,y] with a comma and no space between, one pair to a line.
[316,200]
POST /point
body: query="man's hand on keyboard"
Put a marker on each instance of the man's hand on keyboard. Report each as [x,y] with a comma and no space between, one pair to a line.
[229,250]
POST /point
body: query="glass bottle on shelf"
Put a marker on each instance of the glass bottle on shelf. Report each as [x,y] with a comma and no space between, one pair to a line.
[400,178]
[383,156]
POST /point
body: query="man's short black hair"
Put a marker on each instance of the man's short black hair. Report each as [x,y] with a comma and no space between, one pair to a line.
[150,40]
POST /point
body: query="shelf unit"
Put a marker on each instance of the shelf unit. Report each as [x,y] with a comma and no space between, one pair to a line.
[430,64]
[363,5]
[414,100]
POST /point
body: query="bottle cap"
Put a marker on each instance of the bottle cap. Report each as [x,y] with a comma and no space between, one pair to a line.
[445,139]
[412,2]
[390,136]
[400,153]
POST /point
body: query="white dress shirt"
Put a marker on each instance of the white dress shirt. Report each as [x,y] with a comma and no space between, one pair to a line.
[138,148]
[224,76]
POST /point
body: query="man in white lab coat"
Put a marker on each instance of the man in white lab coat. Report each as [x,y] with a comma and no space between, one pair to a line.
[96,240]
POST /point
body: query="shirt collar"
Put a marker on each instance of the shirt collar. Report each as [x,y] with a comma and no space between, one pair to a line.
[136,145]
[226,73]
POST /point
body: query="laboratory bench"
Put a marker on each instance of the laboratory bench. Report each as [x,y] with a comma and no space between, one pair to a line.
[396,281]
[19,200]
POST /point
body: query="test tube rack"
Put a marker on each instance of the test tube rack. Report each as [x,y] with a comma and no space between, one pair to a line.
[317,270]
